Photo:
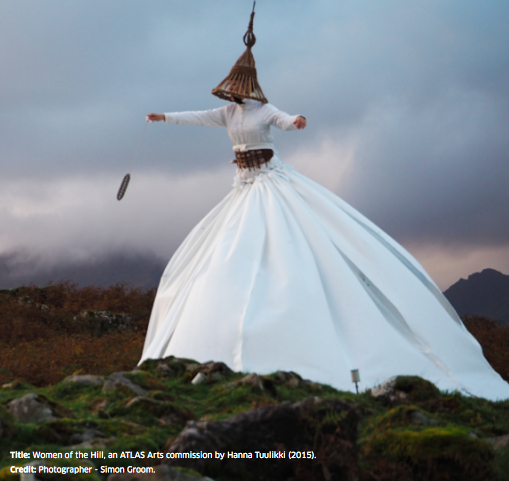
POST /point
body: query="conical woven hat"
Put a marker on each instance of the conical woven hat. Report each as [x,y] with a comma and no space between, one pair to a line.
[242,81]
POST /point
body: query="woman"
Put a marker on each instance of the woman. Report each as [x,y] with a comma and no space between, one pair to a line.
[284,275]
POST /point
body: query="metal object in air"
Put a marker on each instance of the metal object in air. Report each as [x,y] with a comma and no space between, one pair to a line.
[127,177]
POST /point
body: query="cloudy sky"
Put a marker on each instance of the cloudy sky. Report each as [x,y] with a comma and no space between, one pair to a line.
[407,106]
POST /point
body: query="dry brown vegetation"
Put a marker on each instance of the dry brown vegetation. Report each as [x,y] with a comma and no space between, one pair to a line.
[493,336]
[43,338]
[41,342]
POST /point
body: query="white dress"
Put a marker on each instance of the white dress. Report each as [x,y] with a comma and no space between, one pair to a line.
[284,275]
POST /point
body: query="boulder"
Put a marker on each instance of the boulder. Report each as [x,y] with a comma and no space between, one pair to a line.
[207,372]
[103,321]
[288,379]
[325,430]
[85,379]
[261,384]
[25,301]
[172,366]
[252,380]
[424,450]
[32,408]
[86,436]
[312,386]
[499,442]
[218,368]
[420,419]
[169,367]
[386,390]
[162,473]
[406,389]
[44,307]
[68,432]
[166,412]
[164,370]
[118,379]
[145,379]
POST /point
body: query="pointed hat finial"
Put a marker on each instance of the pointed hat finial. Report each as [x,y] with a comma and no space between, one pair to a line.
[249,37]
[242,81]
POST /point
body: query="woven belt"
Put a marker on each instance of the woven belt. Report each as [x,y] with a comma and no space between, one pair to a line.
[253,159]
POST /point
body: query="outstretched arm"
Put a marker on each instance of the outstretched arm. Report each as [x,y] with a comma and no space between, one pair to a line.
[207,118]
[282,120]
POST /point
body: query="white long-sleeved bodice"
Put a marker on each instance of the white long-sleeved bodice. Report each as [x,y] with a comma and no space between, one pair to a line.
[248,124]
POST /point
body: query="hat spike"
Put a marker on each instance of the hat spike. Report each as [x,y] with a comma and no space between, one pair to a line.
[242,82]
[249,37]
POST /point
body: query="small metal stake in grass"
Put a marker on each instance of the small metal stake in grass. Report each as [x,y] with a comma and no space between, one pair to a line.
[356,378]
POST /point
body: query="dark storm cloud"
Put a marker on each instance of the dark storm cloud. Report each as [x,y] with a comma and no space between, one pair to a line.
[442,175]
[407,104]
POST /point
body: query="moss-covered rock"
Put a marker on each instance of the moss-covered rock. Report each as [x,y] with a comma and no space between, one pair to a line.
[146,411]
[323,430]
[118,381]
[146,380]
[170,366]
[416,388]
[68,432]
[423,435]
[433,453]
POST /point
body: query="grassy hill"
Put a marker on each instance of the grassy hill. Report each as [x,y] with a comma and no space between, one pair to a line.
[50,333]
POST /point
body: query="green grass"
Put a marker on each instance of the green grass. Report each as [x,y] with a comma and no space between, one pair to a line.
[453,444]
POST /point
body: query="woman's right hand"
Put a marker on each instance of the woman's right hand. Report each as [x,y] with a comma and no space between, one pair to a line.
[155,117]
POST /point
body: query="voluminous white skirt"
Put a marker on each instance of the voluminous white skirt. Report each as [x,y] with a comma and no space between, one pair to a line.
[284,275]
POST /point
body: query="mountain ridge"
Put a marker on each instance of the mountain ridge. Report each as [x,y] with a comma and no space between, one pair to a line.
[484,293]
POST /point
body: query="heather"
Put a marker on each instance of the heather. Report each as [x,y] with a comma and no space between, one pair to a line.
[50,333]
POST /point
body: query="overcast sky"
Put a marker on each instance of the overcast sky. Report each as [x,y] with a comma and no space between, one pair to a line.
[407,105]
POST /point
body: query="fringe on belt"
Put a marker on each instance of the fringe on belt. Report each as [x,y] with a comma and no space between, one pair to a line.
[252,159]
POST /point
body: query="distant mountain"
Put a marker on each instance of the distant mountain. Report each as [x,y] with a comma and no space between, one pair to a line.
[137,269]
[484,294]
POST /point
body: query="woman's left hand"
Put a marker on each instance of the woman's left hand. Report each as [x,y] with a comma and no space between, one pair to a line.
[300,123]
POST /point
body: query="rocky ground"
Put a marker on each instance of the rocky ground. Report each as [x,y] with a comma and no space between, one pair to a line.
[404,430]
[67,390]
